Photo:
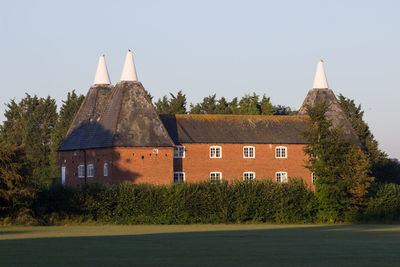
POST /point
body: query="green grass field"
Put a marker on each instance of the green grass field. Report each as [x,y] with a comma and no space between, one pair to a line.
[201,245]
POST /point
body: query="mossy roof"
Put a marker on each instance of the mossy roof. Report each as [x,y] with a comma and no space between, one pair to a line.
[244,129]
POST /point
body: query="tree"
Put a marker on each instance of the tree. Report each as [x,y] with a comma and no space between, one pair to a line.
[15,187]
[223,107]
[355,115]
[175,105]
[266,106]
[341,168]
[67,113]
[283,110]
[249,105]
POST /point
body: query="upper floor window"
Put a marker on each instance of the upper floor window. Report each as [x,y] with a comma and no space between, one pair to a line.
[105,169]
[281,177]
[179,152]
[81,171]
[249,176]
[179,177]
[313,178]
[281,152]
[249,152]
[90,170]
[215,152]
[215,177]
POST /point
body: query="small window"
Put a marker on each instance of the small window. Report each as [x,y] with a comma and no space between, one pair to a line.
[215,177]
[81,171]
[215,152]
[179,152]
[249,152]
[249,176]
[105,169]
[90,170]
[281,152]
[179,177]
[281,177]
[313,178]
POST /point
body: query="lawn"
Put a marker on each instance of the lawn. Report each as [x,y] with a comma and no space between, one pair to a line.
[201,245]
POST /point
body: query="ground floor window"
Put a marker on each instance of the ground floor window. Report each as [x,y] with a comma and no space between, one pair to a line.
[179,177]
[281,177]
[81,171]
[249,176]
[105,169]
[215,177]
[90,170]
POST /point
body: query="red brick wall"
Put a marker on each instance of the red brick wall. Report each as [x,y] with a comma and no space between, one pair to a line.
[197,163]
[135,164]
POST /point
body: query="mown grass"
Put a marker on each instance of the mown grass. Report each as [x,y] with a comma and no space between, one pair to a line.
[201,245]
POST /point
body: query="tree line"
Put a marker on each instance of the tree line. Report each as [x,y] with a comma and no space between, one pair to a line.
[348,176]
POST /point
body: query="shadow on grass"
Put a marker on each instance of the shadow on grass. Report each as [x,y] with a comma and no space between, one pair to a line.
[296,246]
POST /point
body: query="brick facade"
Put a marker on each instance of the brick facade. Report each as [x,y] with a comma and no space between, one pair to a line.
[155,165]
[132,164]
[197,163]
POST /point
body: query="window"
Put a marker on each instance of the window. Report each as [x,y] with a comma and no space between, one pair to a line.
[179,152]
[281,152]
[90,170]
[313,178]
[81,171]
[215,152]
[249,176]
[281,177]
[249,152]
[105,169]
[215,177]
[179,177]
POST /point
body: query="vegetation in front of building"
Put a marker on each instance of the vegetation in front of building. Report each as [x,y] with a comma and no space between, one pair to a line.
[352,185]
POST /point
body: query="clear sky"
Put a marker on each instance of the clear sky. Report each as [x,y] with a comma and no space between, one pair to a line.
[204,47]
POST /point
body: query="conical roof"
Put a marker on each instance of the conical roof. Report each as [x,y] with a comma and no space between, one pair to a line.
[129,70]
[320,81]
[102,76]
[130,120]
[86,119]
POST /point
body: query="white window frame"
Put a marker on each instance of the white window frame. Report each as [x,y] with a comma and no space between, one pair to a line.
[313,178]
[179,152]
[105,169]
[249,148]
[214,155]
[178,174]
[81,171]
[281,177]
[278,155]
[90,170]
[249,174]
[215,174]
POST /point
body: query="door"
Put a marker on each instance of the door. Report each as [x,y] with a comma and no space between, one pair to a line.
[63,175]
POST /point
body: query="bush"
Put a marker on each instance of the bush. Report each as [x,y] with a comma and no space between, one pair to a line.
[258,201]
[384,206]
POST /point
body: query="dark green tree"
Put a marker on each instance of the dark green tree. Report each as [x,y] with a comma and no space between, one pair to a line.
[162,106]
[249,105]
[11,131]
[340,167]
[67,113]
[223,107]
[16,191]
[266,106]
[283,110]
[175,105]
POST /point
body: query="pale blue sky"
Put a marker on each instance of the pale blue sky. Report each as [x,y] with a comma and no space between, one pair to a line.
[203,47]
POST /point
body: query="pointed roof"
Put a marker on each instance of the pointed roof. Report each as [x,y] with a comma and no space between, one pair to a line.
[130,120]
[320,81]
[86,119]
[129,70]
[102,76]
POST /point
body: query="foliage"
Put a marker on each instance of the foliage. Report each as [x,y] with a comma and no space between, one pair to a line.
[340,167]
[67,113]
[176,104]
[262,201]
[384,206]
[16,191]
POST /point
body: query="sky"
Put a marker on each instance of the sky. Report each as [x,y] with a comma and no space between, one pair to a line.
[229,48]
